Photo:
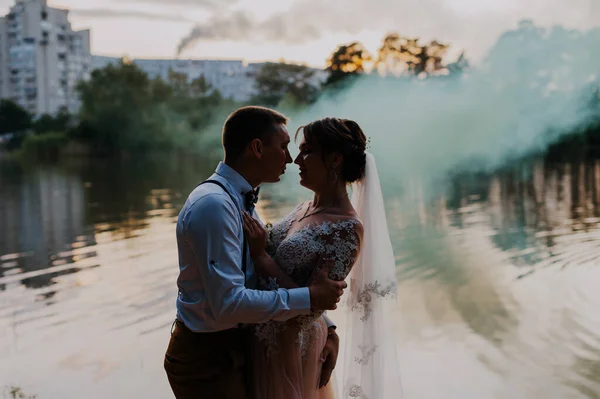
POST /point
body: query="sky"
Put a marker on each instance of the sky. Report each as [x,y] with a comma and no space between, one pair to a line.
[304,31]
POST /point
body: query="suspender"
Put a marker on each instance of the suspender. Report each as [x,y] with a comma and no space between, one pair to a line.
[245,244]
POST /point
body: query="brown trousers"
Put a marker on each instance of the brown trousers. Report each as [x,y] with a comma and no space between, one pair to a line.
[207,365]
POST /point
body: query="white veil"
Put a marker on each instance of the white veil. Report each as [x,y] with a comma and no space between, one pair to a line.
[369,367]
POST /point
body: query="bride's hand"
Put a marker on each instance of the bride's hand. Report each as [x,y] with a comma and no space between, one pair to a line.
[256,235]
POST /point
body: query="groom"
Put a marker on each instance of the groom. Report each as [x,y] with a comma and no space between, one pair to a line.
[206,355]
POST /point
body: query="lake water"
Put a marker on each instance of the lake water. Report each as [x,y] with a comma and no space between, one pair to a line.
[499,275]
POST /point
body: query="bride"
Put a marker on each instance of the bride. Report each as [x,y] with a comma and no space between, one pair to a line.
[336,236]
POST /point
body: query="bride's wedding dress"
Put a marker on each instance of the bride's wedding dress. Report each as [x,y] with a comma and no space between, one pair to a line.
[287,355]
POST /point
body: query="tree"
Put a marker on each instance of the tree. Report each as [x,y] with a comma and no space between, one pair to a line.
[275,81]
[400,55]
[60,123]
[13,117]
[205,102]
[122,109]
[178,81]
[348,61]
[200,87]
[195,101]
[118,108]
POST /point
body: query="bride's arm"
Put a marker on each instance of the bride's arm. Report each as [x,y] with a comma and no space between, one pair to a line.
[265,265]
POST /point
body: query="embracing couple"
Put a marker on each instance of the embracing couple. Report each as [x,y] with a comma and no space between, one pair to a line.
[251,309]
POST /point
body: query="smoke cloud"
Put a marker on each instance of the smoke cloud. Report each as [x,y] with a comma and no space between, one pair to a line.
[535,86]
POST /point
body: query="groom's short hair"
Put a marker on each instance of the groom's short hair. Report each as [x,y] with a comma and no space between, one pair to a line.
[246,124]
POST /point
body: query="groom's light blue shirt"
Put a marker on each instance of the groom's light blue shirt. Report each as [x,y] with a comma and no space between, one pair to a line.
[212,294]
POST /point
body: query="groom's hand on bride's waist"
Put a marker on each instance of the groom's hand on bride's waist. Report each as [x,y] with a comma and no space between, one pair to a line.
[325,293]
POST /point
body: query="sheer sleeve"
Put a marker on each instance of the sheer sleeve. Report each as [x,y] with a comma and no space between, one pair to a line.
[339,243]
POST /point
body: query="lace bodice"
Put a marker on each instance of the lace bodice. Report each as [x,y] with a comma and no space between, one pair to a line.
[299,252]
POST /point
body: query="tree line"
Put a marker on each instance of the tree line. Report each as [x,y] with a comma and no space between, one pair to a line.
[122,108]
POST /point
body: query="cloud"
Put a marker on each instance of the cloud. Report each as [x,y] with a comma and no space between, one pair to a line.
[465,23]
[115,13]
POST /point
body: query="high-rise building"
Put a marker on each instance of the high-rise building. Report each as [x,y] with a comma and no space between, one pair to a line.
[3,59]
[42,58]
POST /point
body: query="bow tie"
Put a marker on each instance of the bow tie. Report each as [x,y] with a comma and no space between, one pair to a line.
[251,198]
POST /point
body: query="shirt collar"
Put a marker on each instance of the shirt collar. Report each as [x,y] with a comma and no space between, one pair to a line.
[236,180]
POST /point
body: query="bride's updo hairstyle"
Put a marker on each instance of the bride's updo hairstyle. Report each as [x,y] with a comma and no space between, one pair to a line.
[331,135]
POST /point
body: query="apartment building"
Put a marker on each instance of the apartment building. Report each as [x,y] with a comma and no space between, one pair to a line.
[227,76]
[42,58]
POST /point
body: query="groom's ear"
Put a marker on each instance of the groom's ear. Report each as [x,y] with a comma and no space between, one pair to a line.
[257,147]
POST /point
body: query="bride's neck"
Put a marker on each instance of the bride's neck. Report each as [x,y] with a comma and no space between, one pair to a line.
[330,195]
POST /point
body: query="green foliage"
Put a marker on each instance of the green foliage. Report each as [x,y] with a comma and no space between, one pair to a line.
[61,122]
[123,109]
[13,118]
[276,81]
[118,110]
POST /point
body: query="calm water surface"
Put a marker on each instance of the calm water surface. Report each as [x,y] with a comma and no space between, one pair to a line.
[499,278]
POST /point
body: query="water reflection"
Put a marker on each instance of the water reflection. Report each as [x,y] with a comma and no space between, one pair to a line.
[497,272]
[510,257]
[533,209]
[41,217]
[50,216]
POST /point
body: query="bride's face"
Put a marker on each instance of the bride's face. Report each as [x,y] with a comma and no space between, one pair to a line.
[313,170]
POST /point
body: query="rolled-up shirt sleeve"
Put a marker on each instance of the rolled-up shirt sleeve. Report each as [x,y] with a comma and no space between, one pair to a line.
[211,230]
[328,322]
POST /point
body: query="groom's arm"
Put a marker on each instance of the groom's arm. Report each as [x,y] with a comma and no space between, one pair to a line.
[211,231]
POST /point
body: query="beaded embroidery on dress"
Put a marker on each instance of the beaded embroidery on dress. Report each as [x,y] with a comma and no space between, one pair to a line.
[287,355]
[298,254]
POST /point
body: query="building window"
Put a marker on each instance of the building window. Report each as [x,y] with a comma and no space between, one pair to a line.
[44,40]
[44,15]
